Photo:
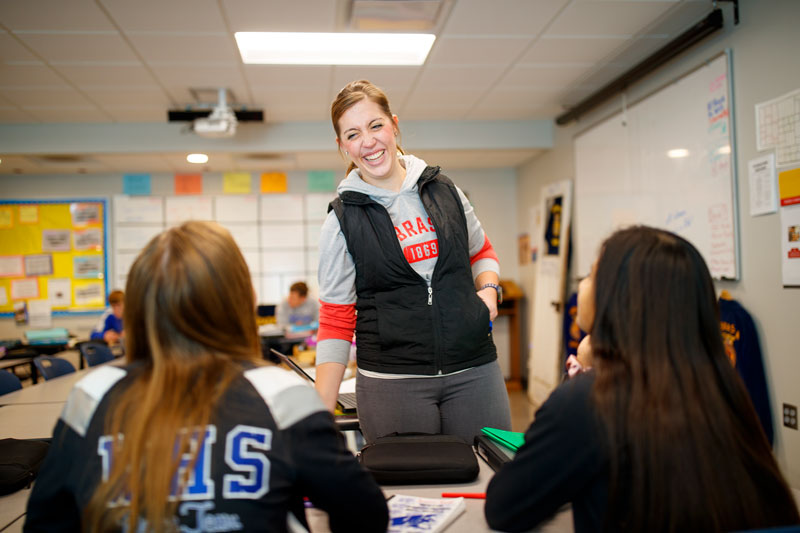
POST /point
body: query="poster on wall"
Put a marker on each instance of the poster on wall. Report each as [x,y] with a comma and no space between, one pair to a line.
[789,189]
[55,240]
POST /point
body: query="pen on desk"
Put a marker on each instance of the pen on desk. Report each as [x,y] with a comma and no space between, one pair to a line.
[473,495]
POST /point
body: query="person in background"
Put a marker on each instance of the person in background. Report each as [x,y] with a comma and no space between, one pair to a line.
[298,309]
[109,327]
[196,432]
[661,434]
[405,263]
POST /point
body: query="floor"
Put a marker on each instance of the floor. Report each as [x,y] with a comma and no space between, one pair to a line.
[521,410]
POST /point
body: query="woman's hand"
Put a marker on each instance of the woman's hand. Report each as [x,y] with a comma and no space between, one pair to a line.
[489,297]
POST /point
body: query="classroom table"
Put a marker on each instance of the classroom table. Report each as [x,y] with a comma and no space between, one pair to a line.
[470,521]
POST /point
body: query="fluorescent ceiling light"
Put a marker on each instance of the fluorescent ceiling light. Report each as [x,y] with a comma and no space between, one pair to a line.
[677,153]
[197,158]
[284,48]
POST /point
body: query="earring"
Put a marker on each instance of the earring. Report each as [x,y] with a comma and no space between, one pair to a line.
[346,152]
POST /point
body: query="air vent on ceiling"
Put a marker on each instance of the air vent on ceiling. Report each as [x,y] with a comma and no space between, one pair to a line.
[395,15]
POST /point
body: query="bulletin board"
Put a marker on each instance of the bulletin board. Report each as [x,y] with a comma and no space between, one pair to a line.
[666,161]
[54,251]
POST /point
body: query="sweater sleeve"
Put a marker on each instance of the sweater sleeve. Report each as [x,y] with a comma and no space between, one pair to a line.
[361,506]
[482,256]
[560,457]
[337,294]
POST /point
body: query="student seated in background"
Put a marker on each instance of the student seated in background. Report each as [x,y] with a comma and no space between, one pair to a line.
[661,434]
[109,327]
[196,432]
[298,309]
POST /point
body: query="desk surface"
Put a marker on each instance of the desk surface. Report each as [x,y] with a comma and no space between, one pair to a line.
[53,390]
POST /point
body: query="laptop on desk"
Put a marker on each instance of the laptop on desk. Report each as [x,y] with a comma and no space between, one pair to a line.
[346,401]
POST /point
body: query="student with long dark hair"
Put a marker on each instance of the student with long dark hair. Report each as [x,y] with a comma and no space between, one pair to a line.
[661,435]
[195,432]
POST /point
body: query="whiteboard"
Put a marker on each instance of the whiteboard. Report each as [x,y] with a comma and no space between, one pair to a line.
[625,172]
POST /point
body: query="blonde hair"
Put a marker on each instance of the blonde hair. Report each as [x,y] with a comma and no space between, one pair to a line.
[350,95]
[189,318]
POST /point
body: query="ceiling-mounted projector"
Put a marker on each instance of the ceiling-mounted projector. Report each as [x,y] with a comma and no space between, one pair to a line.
[220,122]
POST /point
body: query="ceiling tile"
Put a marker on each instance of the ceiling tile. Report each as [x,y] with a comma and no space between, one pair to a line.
[106,76]
[280,15]
[46,97]
[16,164]
[79,46]
[136,96]
[72,15]
[10,114]
[542,76]
[162,49]
[136,114]
[444,78]
[29,76]
[521,99]
[501,17]
[474,51]
[133,162]
[179,79]
[572,49]
[607,18]
[67,114]
[172,16]
[439,105]
[287,76]
[394,81]
[12,50]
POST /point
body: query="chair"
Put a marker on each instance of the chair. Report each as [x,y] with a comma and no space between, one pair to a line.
[95,353]
[8,382]
[51,367]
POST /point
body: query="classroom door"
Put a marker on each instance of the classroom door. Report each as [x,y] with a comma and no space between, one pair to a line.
[545,361]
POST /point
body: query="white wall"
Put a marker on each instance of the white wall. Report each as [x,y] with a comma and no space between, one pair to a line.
[766,64]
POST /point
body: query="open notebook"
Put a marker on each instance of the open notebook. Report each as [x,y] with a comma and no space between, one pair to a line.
[346,400]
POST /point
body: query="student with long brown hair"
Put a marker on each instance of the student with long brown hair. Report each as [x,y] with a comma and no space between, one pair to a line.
[195,431]
[661,435]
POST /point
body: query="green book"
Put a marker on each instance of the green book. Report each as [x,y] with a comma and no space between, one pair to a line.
[512,439]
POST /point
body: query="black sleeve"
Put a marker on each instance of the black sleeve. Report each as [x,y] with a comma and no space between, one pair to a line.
[332,479]
[52,505]
[560,457]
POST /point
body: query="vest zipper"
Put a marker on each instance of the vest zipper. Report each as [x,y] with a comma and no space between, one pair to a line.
[430,295]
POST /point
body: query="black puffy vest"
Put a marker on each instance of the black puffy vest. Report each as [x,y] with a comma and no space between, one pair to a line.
[400,327]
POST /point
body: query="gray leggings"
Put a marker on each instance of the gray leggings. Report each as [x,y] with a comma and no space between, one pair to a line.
[460,404]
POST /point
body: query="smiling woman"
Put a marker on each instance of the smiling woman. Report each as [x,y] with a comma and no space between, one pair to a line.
[422,310]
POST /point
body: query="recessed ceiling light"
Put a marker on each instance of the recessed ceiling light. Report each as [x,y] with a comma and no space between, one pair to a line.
[197,158]
[285,48]
[677,153]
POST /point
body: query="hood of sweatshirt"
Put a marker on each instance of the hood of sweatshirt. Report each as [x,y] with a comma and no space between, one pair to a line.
[414,167]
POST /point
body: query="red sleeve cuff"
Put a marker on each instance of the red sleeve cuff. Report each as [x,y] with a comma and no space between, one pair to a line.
[487,252]
[336,321]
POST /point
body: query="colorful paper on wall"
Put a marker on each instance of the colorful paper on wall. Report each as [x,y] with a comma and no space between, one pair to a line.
[29,214]
[188,184]
[24,289]
[85,214]
[136,184]
[6,217]
[11,266]
[321,181]
[88,266]
[237,183]
[789,192]
[273,182]
[59,290]
[38,265]
[55,240]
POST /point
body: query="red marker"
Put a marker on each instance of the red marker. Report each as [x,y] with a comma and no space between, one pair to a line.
[473,495]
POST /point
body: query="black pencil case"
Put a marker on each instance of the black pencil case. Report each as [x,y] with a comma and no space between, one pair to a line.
[414,458]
